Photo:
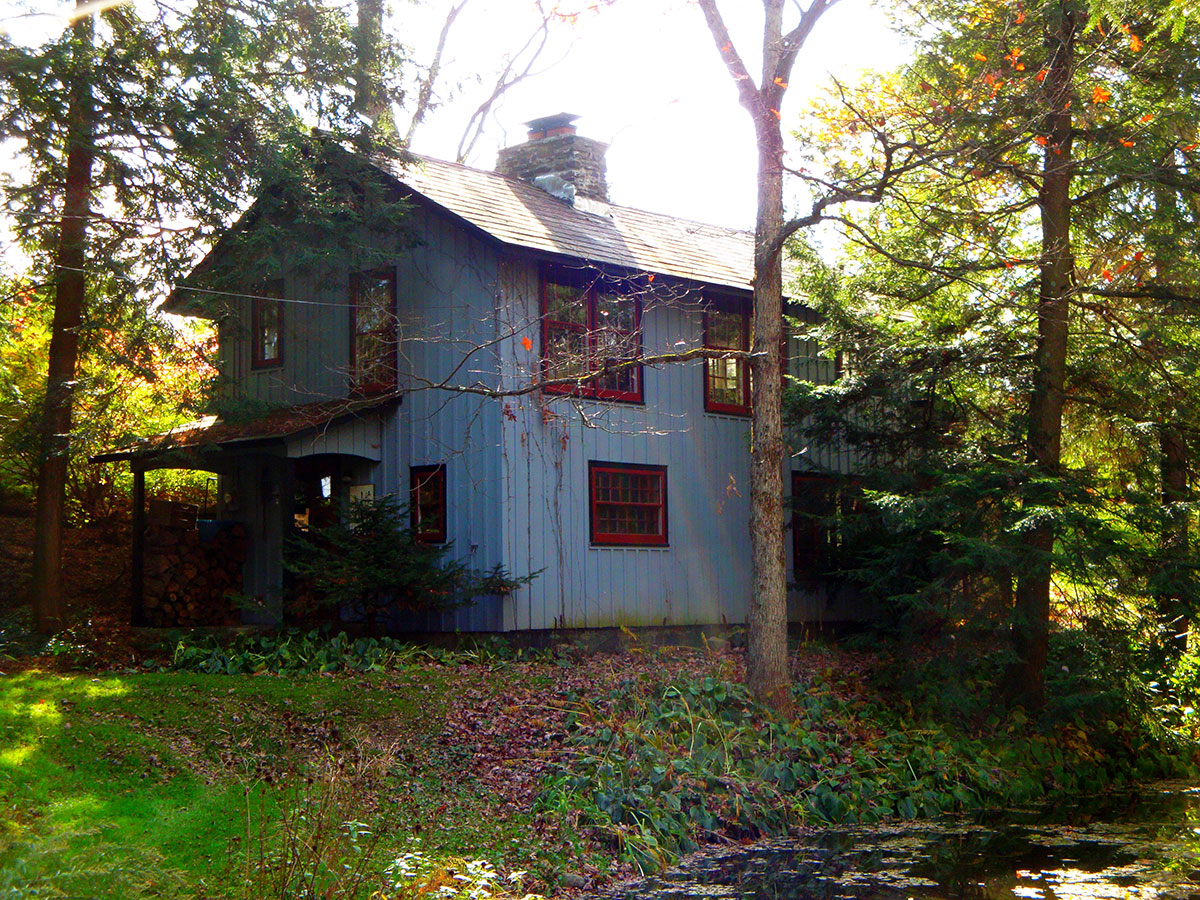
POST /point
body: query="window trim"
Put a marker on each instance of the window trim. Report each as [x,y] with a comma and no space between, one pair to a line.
[270,293]
[615,539]
[390,333]
[587,286]
[424,478]
[741,309]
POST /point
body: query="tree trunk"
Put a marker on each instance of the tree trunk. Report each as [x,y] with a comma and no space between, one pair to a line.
[1031,614]
[1175,600]
[47,589]
[370,98]
[767,660]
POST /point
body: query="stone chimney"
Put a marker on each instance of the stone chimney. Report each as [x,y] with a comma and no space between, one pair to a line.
[554,151]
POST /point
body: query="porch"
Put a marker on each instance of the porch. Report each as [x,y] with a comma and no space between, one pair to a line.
[292,467]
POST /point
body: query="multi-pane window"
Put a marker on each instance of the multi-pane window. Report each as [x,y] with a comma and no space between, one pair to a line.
[266,327]
[373,331]
[727,381]
[590,326]
[824,510]
[427,502]
[629,504]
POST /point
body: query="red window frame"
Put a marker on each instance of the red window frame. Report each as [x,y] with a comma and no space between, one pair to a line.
[590,286]
[601,480]
[267,304]
[385,333]
[424,481]
[742,366]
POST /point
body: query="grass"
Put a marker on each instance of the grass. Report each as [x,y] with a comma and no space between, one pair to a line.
[164,784]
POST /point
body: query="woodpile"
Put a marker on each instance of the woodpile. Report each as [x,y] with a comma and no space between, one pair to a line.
[192,581]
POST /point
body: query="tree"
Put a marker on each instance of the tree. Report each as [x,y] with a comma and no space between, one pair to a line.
[1056,125]
[130,124]
[767,661]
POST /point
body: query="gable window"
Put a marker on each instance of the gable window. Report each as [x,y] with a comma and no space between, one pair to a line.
[427,503]
[373,331]
[266,327]
[590,324]
[727,381]
[628,504]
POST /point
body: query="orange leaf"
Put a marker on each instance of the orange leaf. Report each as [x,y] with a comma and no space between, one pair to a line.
[1189,147]
[1148,117]
[776,113]
[1137,257]
[1135,42]
[650,277]
[527,343]
[1020,67]
[1123,266]
[781,82]
[1041,76]
[1101,95]
[1127,143]
[981,57]
[1020,16]
[1106,274]
[1040,141]
[727,48]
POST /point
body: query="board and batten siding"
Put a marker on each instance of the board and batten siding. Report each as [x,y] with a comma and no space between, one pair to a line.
[703,576]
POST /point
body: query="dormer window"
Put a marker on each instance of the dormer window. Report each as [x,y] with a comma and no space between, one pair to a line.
[266,327]
[591,331]
[373,331]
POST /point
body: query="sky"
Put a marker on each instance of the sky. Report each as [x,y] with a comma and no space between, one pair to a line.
[642,75]
[645,77]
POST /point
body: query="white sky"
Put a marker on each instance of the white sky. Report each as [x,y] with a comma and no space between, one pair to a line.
[643,75]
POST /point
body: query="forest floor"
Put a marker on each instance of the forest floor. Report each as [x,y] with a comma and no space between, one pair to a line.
[124,776]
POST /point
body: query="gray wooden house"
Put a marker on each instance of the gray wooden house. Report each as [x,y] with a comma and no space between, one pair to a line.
[624,485]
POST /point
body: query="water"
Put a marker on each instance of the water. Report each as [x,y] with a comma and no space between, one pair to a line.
[1124,848]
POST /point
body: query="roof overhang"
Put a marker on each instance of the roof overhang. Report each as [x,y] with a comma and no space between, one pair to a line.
[294,431]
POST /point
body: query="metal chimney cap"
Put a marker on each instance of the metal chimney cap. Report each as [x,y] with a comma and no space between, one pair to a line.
[546,126]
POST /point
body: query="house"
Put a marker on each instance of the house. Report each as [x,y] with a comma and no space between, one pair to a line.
[624,484]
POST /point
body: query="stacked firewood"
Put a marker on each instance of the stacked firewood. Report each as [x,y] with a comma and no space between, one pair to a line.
[191,581]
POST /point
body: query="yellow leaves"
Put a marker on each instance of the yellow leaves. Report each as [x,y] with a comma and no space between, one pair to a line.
[1101,94]
[527,343]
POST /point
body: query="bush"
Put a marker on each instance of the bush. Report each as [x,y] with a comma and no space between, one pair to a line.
[374,562]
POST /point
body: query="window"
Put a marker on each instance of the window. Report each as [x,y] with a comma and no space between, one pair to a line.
[589,323]
[629,504]
[373,331]
[266,327]
[727,381]
[427,502]
[821,508]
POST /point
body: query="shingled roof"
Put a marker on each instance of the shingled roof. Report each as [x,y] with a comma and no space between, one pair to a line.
[520,214]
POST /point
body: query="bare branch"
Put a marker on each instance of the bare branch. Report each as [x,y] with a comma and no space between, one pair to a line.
[425,91]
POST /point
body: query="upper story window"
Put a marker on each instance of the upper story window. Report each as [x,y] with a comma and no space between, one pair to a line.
[373,331]
[628,504]
[427,502]
[727,381]
[590,325]
[266,327]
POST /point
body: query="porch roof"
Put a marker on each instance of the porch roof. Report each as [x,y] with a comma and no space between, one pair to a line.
[212,434]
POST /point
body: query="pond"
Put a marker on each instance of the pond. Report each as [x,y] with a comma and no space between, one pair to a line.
[1116,848]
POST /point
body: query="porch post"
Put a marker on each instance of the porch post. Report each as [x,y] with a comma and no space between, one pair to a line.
[137,607]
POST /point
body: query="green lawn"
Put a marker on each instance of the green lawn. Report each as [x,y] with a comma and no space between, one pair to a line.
[176,784]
